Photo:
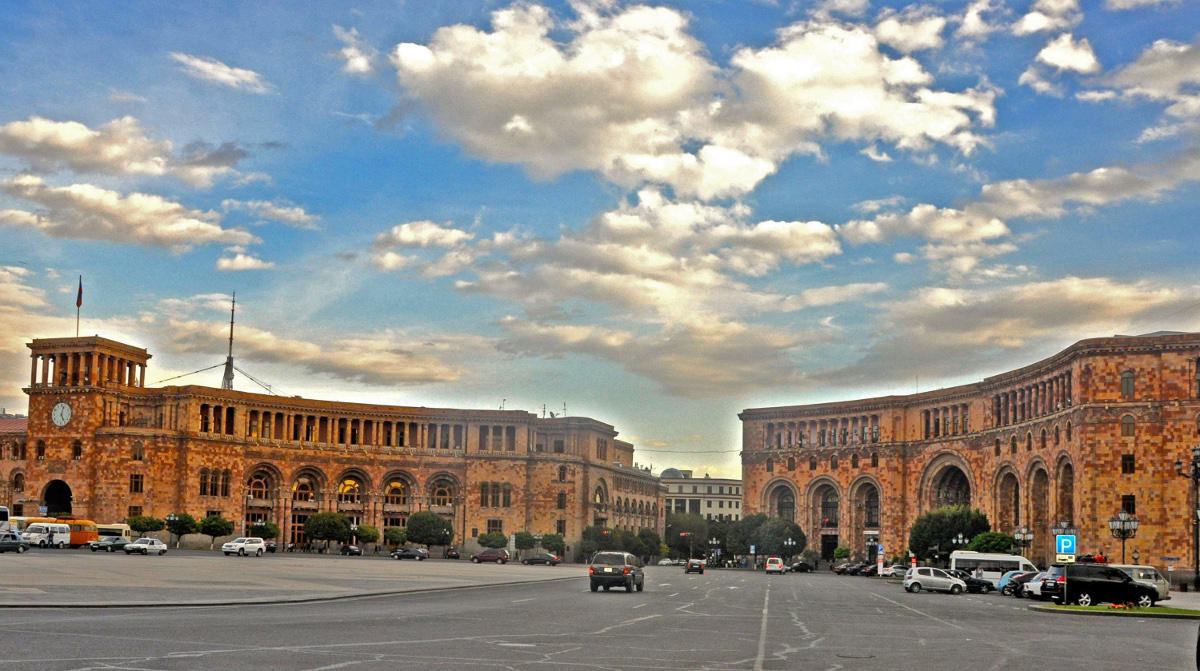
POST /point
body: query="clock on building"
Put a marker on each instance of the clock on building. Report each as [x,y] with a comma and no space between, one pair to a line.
[60,414]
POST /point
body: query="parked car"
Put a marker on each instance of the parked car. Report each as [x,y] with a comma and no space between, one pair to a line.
[409,553]
[271,546]
[1003,584]
[498,555]
[14,543]
[933,579]
[146,546]
[666,561]
[1032,588]
[1053,582]
[774,565]
[245,545]
[1147,575]
[1015,585]
[351,550]
[542,558]
[980,585]
[895,570]
[694,566]
[616,569]
[800,567]
[450,553]
[869,570]
[108,544]
[1090,584]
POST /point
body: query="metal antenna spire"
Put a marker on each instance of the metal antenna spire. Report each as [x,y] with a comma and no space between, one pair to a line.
[227,380]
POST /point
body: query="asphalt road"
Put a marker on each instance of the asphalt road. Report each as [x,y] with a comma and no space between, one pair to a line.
[720,620]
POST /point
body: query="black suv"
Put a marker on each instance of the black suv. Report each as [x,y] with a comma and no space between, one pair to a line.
[614,569]
[696,565]
[1090,584]
[1053,582]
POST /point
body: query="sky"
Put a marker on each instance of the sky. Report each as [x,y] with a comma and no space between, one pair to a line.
[655,215]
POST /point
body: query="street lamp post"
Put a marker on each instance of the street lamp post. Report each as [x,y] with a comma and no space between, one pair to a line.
[171,517]
[1024,537]
[1123,527]
[1192,472]
[715,544]
[788,544]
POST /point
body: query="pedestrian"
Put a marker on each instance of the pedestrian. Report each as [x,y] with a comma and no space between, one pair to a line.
[50,538]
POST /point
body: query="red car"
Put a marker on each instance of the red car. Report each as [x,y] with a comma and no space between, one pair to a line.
[498,555]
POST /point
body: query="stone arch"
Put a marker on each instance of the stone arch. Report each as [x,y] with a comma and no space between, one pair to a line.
[865,496]
[779,499]
[57,497]
[398,488]
[263,480]
[443,489]
[16,481]
[824,497]
[1008,499]
[308,485]
[353,485]
[946,481]
[599,499]
[1064,500]
[1039,512]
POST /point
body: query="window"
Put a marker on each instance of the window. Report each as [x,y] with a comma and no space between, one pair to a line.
[558,447]
[1127,384]
[854,461]
[135,483]
[495,526]
[441,495]
[812,463]
[41,450]
[1129,503]
[1056,434]
[1068,432]
[602,449]
[349,491]
[562,501]
[560,527]
[874,460]
[212,513]
[225,475]
[997,447]
[833,462]
[770,467]
[1029,442]
[1128,465]
[139,453]
[396,493]
[791,467]
[1127,426]
[1013,445]
[562,473]
[18,482]
[204,482]
[134,511]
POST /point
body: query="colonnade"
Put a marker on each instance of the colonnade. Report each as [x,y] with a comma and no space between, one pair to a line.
[1033,400]
[949,420]
[854,430]
[67,369]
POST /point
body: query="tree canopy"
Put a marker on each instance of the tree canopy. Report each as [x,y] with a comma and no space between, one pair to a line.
[493,540]
[366,533]
[686,534]
[741,533]
[214,526]
[772,535]
[264,529]
[992,541]
[182,524]
[429,528]
[934,533]
[395,536]
[554,543]
[328,526]
[523,540]
[144,524]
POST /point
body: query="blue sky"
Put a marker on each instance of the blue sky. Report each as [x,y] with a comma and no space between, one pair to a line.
[652,214]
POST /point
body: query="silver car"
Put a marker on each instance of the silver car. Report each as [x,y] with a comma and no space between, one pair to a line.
[933,579]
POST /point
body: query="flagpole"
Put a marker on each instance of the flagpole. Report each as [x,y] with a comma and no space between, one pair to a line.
[78,304]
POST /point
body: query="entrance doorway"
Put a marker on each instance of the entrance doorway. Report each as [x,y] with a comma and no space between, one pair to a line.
[829,543]
[57,498]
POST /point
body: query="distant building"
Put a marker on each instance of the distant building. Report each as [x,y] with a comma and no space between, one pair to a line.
[1093,430]
[708,497]
[100,444]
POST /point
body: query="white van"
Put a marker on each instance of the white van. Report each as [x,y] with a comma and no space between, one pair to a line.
[989,565]
[118,529]
[45,534]
[1149,576]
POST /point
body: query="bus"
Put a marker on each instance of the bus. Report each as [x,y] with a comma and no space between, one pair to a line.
[117,529]
[5,524]
[82,531]
[19,522]
[991,565]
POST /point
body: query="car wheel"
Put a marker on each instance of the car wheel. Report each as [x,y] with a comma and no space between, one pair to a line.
[606,588]
[241,552]
[420,559]
[915,587]
[258,554]
[20,549]
[228,553]
[162,552]
[525,562]
[595,587]
[503,561]
[94,549]
[641,586]
[1019,593]
[955,589]
[985,589]
[475,559]
[1145,601]
[1084,599]
[41,544]
[1006,591]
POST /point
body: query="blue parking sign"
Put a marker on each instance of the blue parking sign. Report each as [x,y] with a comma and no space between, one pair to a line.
[1065,544]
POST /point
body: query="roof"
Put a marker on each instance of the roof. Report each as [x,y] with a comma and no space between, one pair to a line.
[14,425]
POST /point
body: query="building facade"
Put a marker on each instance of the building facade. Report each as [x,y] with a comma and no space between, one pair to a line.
[1076,437]
[99,444]
[714,499]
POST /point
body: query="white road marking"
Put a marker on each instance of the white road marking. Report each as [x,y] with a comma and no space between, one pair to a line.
[521,600]
[625,624]
[918,612]
[762,632]
[640,605]
[517,645]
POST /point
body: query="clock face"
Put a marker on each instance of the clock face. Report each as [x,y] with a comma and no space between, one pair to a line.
[60,414]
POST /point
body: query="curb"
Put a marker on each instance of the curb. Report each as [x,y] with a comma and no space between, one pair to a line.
[1117,613]
[274,602]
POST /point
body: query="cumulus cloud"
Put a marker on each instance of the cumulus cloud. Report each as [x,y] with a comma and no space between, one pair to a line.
[1049,15]
[630,94]
[421,234]
[85,211]
[14,291]
[913,30]
[212,70]
[1138,4]
[978,20]
[291,215]
[359,58]
[1064,53]
[1167,72]
[242,261]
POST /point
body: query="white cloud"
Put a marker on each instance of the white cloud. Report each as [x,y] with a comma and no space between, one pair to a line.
[914,30]
[1167,72]
[872,152]
[15,293]
[1138,4]
[389,261]
[421,234]
[359,58]
[1048,15]
[289,214]
[243,262]
[974,23]
[212,70]
[1033,78]
[1064,53]
[85,211]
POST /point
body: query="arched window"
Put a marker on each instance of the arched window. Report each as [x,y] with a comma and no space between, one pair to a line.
[77,450]
[1043,445]
[225,482]
[770,465]
[1127,384]
[259,487]
[791,463]
[833,462]
[349,491]
[304,490]
[812,463]
[1013,445]
[441,494]
[562,473]
[1068,432]
[1127,426]
[396,493]
[1057,435]
[41,450]
[204,482]
[1029,442]
[18,482]
[854,461]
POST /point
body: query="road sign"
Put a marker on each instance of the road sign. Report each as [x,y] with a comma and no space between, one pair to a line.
[1064,559]
[752,550]
[1065,544]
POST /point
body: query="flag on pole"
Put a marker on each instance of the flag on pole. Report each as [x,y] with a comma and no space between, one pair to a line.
[79,296]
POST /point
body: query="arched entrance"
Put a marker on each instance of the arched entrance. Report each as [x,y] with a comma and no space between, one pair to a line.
[781,502]
[1039,516]
[1066,492]
[1008,503]
[57,498]
[951,487]
[824,505]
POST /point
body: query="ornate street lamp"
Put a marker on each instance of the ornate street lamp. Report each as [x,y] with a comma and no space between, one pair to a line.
[1124,526]
[1192,472]
[788,544]
[1024,537]
[715,544]
[171,517]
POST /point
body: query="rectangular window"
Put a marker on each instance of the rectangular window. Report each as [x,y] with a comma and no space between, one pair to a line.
[708,504]
[135,483]
[1128,465]
[217,513]
[134,511]
[558,447]
[1129,503]
[720,504]
[560,527]
[495,526]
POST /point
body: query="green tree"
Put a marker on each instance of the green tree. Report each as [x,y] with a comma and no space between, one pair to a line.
[180,524]
[523,540]
[144,524]
[328,526]
[741,534]
[264,529]
[810,556]
[628,541]
[992,541]
[554,543]
[395,536]
[366,533]
[933,533]
[841,552]
[772,535]
[686,534]
[494,539]
[429,528]
[214,526]
[651,542]
[593,540]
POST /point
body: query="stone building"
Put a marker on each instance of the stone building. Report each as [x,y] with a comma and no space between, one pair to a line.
[1076,437]
[714,499]
[99,444]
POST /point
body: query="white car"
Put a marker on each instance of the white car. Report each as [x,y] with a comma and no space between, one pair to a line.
[666,562]
[933,579]
[896,570]
[146,546]
[774,565]
[242,546]
[1033,588]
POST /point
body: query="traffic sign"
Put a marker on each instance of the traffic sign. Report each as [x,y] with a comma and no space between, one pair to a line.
[1065,559]
[1065,544]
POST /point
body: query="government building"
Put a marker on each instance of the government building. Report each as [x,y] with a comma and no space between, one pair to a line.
[99,444]
[714,499]
[1093,430]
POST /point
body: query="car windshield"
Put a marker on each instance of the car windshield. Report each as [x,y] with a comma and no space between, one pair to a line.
[609,558]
